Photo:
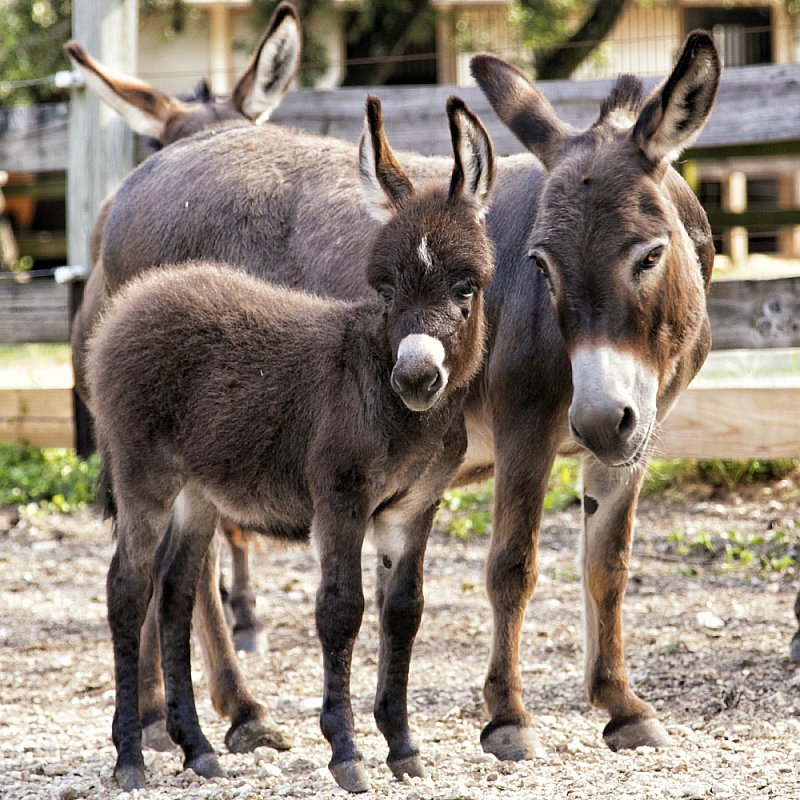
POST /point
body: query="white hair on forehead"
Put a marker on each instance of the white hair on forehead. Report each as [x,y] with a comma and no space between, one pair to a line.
[424,253]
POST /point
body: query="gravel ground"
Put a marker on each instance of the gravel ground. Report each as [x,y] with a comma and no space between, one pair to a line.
[708,647]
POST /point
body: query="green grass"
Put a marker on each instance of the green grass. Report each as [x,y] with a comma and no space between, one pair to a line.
[45,480]
[30,355]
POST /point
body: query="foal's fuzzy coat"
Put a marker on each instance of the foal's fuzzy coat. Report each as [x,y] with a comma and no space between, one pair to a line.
[216,393]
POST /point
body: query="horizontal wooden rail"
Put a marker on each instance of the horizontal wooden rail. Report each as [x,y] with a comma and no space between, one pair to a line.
[741,422]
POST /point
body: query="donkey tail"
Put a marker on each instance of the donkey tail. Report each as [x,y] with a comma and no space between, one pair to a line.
[104,490]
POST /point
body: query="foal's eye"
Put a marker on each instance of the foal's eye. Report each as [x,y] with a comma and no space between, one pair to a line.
[651,259]
[387,293]
[541,265]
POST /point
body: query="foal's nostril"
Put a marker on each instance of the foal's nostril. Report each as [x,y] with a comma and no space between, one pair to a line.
[436,382]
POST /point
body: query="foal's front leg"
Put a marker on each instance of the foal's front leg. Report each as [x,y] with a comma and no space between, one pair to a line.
[609,503]
[401,549]
[339,608]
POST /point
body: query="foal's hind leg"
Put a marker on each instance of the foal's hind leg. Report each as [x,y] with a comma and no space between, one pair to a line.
[401,549]
[178,563]
[249,632]
[609,502]
[251,724]
[129,587]
[151,686]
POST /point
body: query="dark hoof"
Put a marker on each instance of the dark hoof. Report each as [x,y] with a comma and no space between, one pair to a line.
[795,651]
[155,736]
[647,732]
[130,777]
[247,737]
[351,776]
[411,766]
[206,766]
[250,640]
[511,743]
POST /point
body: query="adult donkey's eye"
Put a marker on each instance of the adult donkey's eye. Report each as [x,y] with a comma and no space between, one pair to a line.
[464,292]
[651,259]
[540,264]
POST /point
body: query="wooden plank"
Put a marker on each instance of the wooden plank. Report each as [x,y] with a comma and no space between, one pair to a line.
[33,312]
[41,417]
[733,423]
[34,138]
[755,313]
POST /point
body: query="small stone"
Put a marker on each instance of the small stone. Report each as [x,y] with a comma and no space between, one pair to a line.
[264,755]
[300,765]
[693,790]
[270,770]
[709,620]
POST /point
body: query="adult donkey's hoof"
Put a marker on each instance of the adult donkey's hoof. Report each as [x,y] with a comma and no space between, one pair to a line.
[206,766]
[511,742]
[247,737]
[636,732]
[795,651]
[351,776]
[411,766]
[251,640]
[155,736]
[130,777]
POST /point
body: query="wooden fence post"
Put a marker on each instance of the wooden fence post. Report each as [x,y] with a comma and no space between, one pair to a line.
[100,143]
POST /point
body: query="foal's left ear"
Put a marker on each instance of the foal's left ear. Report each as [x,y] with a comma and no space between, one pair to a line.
[677,111]
[474,168]
[383,182]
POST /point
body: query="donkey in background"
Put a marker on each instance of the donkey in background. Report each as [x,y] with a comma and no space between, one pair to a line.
[596,316]
[214,392]
[163,120]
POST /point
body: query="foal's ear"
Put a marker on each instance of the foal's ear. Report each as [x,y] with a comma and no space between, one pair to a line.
[676,111]
[271,68]
[145,109]
[520,106]
[474,168]
[383,182]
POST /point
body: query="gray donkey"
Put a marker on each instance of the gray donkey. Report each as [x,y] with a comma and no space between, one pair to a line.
[214,392]
[163,120]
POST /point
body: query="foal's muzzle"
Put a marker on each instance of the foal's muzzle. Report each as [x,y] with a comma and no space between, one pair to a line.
[419,376]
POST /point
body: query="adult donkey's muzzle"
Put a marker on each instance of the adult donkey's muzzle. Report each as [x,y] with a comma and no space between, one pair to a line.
[419,375]
[613,406]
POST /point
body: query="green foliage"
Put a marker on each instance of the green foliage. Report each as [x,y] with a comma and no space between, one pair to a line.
[562,490]
[31,35]
[773,552]
[467,512]
[672,474]
[52,480]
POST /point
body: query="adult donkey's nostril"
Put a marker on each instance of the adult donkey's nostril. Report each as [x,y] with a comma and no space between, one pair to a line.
[436,382]
[627,424]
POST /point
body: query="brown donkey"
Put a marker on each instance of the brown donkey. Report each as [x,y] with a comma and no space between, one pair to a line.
[163,120]
[214,392]
[596,316]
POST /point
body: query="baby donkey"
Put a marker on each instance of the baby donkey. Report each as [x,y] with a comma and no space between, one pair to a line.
[215,392]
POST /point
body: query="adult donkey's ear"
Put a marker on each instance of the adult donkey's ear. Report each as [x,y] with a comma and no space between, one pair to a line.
[676,111]
[383,182]
[474,168]
[271,68]
[145,109]
[520,106]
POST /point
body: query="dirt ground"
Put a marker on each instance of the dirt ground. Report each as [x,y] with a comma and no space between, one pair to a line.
[707,645]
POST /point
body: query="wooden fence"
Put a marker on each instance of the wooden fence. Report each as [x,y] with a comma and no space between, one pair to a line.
[757,114]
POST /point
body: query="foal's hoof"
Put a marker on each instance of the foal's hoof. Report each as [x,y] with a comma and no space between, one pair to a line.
[351,776]
[636,732]
[247,737]
[411,766]
[130,777]
[155,736]
[511,743]
[250,640]
[206,766]
[795,651]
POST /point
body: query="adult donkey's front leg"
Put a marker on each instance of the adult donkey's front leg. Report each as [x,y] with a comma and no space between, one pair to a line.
[523,457]
[609,503]
[401,549]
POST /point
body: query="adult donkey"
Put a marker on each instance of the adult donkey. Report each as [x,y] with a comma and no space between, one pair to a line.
[596,314]
[162,120]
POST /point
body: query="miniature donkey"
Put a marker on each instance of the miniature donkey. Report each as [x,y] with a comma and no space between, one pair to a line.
[163,120]
[214,392]
[596,316]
